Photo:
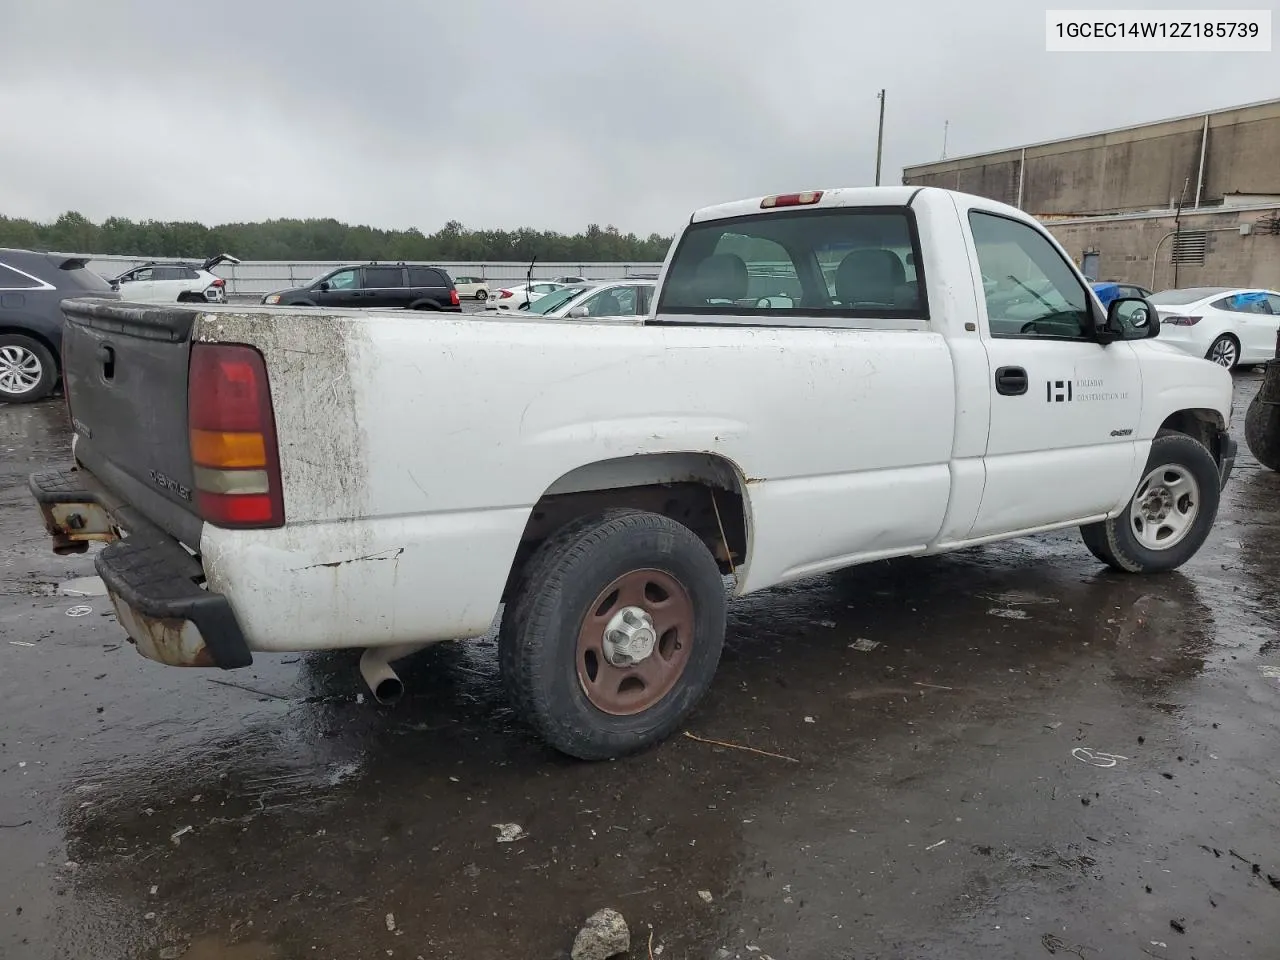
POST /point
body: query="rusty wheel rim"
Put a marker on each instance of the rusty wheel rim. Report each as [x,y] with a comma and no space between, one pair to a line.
[625,690]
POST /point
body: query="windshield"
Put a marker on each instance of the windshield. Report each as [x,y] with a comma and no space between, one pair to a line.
[1190,295]
[557,298]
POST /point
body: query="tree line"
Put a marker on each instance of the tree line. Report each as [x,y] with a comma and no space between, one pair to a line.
[325,239]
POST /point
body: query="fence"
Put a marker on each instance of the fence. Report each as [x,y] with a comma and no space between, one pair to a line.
[256,277]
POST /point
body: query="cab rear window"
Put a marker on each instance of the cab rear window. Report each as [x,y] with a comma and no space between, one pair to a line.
[836,262]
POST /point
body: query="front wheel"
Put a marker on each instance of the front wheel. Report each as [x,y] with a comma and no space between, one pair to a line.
[1225,352]
[613,633]
[1168,517]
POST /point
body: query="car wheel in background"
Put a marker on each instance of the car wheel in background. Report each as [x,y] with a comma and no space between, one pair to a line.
[27,370]
[1170,514]
[482,295]
[612,633]
[1225,351]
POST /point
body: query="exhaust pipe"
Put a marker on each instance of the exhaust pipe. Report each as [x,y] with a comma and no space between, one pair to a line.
[375,666]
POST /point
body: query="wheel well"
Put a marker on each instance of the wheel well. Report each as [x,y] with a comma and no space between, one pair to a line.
[1202,425]
[424,305]
[704,492]
[38,338]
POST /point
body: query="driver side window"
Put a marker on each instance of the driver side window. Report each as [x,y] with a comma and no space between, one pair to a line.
[1030,290]
[343,280]
[612,302]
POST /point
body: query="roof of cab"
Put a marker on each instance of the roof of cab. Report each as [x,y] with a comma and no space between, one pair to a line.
[839,197]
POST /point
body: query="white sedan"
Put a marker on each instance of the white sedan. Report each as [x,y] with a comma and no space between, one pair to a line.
[1232,326]
[510,298]
[595,300]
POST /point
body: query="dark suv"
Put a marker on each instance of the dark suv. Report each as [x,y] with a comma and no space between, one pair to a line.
[32,288]
[385,285]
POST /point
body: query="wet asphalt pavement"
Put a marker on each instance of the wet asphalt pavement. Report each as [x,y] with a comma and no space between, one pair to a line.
[1040,758]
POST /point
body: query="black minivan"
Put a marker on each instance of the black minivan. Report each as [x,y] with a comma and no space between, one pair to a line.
[385,285]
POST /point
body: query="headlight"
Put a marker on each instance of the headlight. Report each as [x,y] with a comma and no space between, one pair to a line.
[271,298]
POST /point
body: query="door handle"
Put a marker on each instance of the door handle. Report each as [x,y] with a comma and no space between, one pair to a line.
[1011,381]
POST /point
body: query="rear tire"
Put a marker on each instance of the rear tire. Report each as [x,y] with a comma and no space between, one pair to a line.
[1225,352]
[27,369]
[1169,516]
[482,295]
[557,642]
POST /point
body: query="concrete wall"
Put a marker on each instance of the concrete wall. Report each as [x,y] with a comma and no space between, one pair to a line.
[1135,169]
[1127,245]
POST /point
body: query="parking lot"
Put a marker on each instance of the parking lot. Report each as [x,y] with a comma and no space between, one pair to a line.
[1007,752]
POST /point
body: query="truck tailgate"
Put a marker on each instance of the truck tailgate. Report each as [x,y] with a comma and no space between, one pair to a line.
[125,373]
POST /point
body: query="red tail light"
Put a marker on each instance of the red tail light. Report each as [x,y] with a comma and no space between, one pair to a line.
[504,294]
[232,431]
[218,283]
[1181,321]
[453,298]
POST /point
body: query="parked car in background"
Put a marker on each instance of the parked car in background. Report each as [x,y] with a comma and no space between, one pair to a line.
[1232,326]
[510,298]
[1108,290]
[472,288]
[385,285]
[597,300]
[174,282]
[32,288]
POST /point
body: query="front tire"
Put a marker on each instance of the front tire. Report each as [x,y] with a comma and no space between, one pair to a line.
[613,633]
[27,370]
[1170,514]
[1225,352]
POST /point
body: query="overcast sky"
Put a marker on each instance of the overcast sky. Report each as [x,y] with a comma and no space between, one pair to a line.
[546,113]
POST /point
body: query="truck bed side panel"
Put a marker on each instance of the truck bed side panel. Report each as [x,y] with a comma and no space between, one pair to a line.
[455,428]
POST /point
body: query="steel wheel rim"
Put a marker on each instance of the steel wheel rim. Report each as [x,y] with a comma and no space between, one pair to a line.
[1165,507]
[624,691]
[20,369]
[1223,352]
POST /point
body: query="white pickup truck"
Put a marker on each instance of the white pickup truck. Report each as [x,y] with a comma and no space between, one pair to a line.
[824,379]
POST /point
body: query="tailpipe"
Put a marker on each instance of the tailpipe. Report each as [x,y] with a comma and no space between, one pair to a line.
[375,667]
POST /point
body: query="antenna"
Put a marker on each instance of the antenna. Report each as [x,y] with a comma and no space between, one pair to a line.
[880,137]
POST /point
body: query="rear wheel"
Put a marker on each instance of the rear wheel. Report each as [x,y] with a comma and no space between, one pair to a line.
[1170,514]
[613,633]
[482,295]
[27,370]
[1225,351]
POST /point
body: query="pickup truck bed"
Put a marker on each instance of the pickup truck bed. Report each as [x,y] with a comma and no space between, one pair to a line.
[298,479]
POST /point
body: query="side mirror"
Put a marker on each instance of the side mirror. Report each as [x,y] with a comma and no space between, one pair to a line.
[323,286]
[577,313]
[1132,318]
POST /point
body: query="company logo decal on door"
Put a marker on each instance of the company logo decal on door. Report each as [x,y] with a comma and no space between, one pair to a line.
[1063,391]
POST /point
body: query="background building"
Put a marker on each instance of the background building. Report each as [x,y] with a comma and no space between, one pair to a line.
[1112,198]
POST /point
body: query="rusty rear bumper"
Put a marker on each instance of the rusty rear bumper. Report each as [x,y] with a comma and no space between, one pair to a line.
[152,581]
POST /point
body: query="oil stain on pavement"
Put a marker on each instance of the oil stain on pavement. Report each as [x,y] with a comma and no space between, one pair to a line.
[1008,752]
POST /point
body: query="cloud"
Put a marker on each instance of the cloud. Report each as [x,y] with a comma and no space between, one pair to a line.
[555,114]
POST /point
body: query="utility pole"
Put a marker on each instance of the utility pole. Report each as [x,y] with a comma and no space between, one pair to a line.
[1177,230]
[946,127]
[880,137]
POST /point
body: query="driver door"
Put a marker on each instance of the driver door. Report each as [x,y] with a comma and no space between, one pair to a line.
[343,287]
[1064,408]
